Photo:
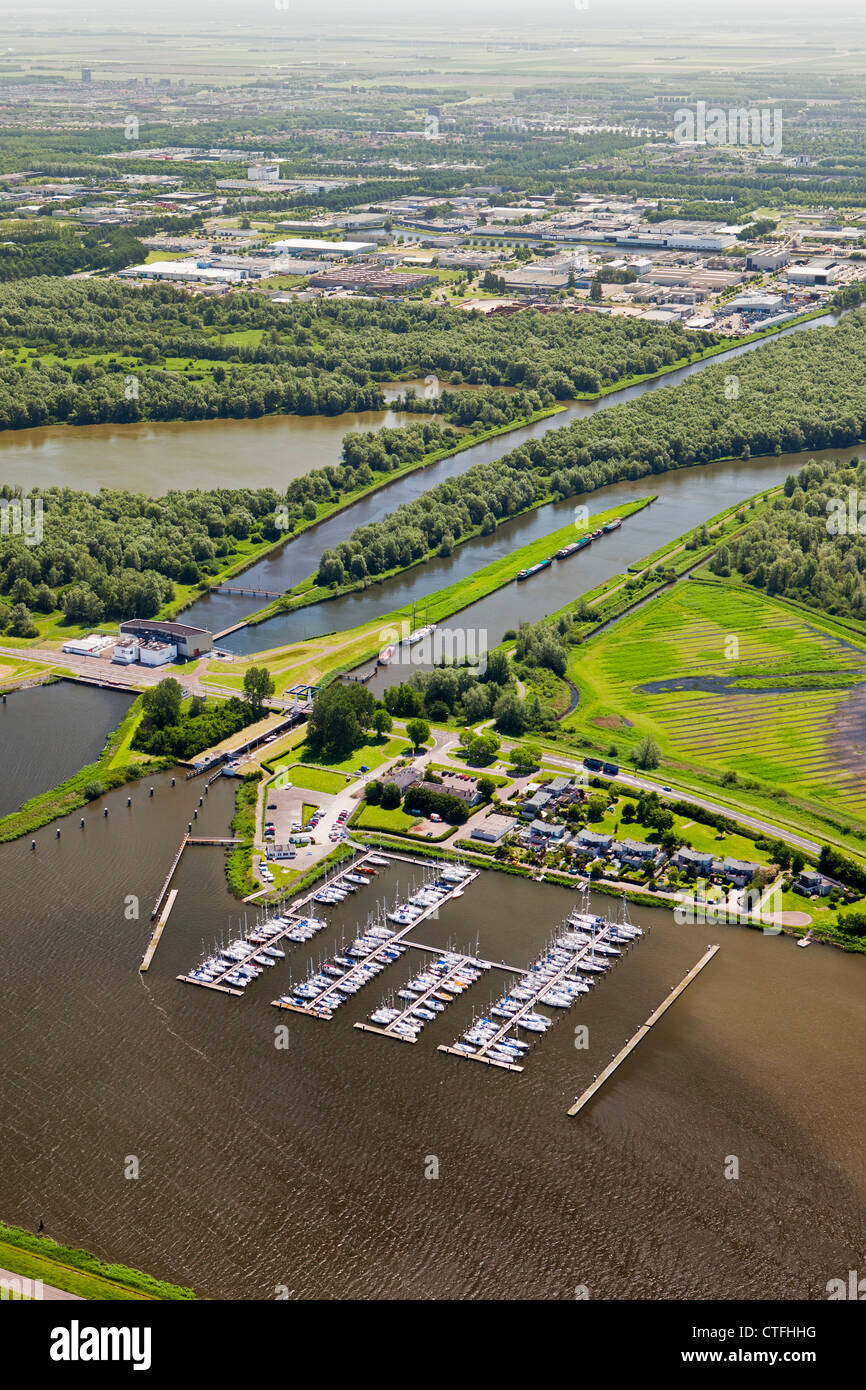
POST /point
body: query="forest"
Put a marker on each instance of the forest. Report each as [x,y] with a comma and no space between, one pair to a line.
[69,348]
[812,546]
[119,553]
[806,391]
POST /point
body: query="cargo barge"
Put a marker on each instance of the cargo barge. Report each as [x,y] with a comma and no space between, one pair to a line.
[534,569]
[570,549]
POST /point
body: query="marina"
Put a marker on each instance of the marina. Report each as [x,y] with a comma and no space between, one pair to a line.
[337,1102]
[428,994]
[376,946]
[579,954]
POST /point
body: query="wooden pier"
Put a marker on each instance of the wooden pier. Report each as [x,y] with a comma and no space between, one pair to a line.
[480,1054]
[390,1030]
[157,931]
[169,876]
[641,1032]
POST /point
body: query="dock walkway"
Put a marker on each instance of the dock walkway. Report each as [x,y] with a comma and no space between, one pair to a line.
[356,975]
[157,931]
[480,1054]
[391,1030]
[641,1032]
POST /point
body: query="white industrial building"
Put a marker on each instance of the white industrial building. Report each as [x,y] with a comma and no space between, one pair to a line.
[93,645]
[813,273]
[181,270]
[264,173]
[126,651]
[156,653]
[773,258]
[312,246]
[189,641]
[761,303]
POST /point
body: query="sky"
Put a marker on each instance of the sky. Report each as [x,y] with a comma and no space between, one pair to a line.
[447,16]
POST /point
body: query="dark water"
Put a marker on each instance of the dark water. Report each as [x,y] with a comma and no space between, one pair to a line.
[287,567]
[48,732]
[305,1168]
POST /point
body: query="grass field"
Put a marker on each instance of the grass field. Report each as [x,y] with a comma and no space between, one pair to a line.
[806,742]
[77,1271]
[377,818]
[313,779]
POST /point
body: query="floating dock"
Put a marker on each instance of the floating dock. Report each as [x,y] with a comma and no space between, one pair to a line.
[641,1032]
[455,971]
[601,938]
[157,931]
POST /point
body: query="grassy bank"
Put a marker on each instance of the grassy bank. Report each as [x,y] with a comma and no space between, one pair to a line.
[476,586]
[77,1271]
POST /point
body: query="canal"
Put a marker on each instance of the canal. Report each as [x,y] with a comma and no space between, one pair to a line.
[694,491]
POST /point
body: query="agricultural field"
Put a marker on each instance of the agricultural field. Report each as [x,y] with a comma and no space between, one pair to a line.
[728,681]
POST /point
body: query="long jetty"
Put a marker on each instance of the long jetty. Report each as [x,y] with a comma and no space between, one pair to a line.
[169,876]
[641,1032]
[157,931]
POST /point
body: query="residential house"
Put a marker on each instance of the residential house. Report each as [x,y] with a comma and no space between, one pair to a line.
[810,881]
[592,842]
[701,861]
[739,871]
[636,853]
[535,804]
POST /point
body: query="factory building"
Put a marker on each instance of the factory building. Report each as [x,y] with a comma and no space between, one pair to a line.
[311,246]
[813,273]
[186,641]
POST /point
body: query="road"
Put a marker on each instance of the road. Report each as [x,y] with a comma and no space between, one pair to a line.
[139,677]
[48,1292]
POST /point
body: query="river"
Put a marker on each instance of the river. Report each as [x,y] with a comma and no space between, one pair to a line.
[304,1167]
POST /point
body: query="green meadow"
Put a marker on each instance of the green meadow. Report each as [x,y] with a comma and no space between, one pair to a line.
[766,724]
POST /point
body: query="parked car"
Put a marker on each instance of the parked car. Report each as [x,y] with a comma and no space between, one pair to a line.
[434,815]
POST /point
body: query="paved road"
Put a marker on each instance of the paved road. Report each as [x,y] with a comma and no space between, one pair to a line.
[445,739]
[49,1294]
